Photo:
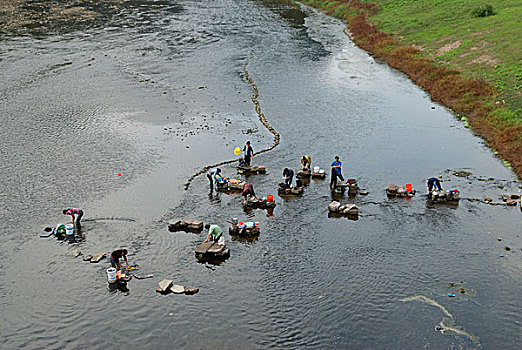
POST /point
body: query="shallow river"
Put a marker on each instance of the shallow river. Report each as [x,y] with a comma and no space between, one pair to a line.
[155,90]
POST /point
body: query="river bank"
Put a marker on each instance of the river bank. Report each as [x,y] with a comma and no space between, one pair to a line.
[471,98]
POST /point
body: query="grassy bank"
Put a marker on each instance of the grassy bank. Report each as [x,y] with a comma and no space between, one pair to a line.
[466,56]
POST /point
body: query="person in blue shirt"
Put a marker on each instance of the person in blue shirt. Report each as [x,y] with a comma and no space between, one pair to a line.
[249,153]
[336,172]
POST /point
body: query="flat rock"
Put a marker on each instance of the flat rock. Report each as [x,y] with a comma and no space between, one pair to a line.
[203,247]
[191,290]
[87,257]
[165,285]
[96,258]
[75,253]
[177,289]
[515,196]
[511,202]
[216,248]
[142,277]
[488,199]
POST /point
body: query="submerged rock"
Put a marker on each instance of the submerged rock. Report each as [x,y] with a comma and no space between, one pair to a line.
[75,253]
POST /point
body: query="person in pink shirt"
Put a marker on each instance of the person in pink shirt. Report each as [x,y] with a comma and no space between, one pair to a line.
[72,212]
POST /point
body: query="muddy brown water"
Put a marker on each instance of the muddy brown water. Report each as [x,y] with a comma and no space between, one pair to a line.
[155,91]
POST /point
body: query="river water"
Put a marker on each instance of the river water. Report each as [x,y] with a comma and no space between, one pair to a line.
[155,90]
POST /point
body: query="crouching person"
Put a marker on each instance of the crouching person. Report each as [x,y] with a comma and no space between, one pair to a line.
[215,234]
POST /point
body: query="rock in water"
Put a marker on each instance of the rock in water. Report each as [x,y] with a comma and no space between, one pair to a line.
[334,207]
[191,290]
[87,257]
[165,285]
[97,257]
[141,277]
[511,202]
[488,199]
[75,253]
[177,289]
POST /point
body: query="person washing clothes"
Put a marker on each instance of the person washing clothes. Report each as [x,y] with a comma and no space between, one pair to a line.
[213,175]
[215,234]
[336,172]
[288,176]
[248,191]
[433,184]
[306,163]
[115,258]
[249,153]
[72,212]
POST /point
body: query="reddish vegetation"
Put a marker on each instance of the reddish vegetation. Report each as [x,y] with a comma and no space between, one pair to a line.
[474,98]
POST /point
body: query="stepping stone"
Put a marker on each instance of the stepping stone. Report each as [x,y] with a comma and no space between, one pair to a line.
[191,290]
[87,257]
[96,258]
[216,249]
[177,289]
[203,247]
[75,253]
[165,285]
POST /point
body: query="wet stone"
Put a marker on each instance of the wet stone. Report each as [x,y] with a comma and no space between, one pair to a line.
[191,290]
[177,289]
[96,258]
[511,202]
[165,285]
[75,253]
[507,248]
[87,258]
[488,199]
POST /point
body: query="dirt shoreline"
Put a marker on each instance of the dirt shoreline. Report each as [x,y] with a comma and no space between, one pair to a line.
[472,100]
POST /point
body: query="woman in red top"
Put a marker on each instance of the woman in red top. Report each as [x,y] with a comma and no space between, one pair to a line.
[72,212]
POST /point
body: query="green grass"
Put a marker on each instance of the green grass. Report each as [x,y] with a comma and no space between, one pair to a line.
[491,47]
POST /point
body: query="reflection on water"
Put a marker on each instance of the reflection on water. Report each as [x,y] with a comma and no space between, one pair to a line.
[154,90]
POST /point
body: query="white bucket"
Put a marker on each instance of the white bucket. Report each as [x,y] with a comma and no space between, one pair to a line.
[69,229]
[111,275]
[316,169]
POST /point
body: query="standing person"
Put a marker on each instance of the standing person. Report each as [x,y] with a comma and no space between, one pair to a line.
[213,174]
[215,234]
[72,212]
[249,153]
[248,190]
[306,162]
[336,172]
[115,258]
[288,176]
[433,184]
